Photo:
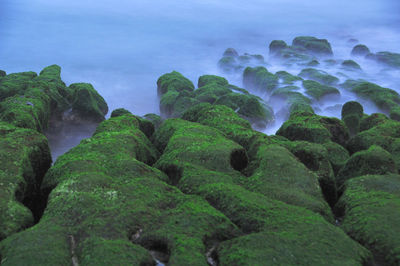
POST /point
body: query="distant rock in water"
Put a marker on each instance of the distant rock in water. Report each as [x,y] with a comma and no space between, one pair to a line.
[360,50]
[386,58]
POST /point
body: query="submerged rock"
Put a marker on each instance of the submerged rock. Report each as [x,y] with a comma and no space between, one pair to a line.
[387,58]
[360,50]
[319,75]
[259,79]
[313,45]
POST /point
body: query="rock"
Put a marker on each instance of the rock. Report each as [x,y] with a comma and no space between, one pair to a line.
[386,99]
[2,73]
[371,208]
[352,112]
[119,112]
[229,64]
[24,159]
[317,90]
[313,45]
[295,101]
[258,78]
[351,65]
[319,75]
[15,83]
[173,81]
[360,50]
[276,46]
[337,155]
[230,52]
[313,63]
[374,161]
[108,206]
[154,119]
[211,79]
[314,128]
[87,103]
[386,58]
[368,122]
[287,78]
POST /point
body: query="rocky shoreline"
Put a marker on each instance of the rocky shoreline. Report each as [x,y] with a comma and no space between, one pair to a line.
[198,184]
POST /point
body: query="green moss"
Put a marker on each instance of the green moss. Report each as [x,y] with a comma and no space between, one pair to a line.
[371,206]
[368,122]
[351,65]
[210,79]
[258,78]
[276,46]
[87,102]
[287,78]
[337,155]
[24,157]
[386,58]
[173,81]
[16,83]
[228,64]
[360,50]
[374,161]
[230,52]
[119,112]
[314,128]
[317,90]
[313,45]
[319,75]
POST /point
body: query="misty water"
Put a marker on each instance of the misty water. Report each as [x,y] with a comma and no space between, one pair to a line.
[123,46]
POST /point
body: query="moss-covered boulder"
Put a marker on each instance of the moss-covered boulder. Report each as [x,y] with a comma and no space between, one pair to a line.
[374,161]
[386,99]
[337,155]
[119,112]
[173,81]
[259,79]
[15,83]
[293,99]
[360,50]
[352,113]
[319,91]
[319,75]
[2,73]
[154,119]
[109,206]
[350,65]
[287,78]
[231,52]
[276,46]
[314,128]
[386,58]
[371,208]
[87,103]
[24,159]
[370,121]
[229,64]
[313,45]
[212,79]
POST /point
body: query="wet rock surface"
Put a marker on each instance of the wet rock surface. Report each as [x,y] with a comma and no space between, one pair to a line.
[197,184]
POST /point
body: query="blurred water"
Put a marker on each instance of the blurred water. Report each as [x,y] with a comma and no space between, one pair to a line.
[123,46]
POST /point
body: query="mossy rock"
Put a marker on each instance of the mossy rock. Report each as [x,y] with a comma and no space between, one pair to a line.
[87,103]
[350,65]
[259,79]
[386,99]
[287,78]
[276,229]
[386,58]
[312,63]
[2,73]
[15,83]
[313,45]
[24,159]
[224,119]
[119,112]
[352,113]
[173,81]
[107,202]
[211,92]
[368,122]
[360,50]
[210,79]
[276,46]
[337,155]
[314,128]
[319,91]
[371,208]
[280,176]
[319,75]
[154,119]
[229,64]
[230,52]
[295,101]
[374,161]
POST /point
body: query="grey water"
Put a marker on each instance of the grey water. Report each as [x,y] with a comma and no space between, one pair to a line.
[123,46]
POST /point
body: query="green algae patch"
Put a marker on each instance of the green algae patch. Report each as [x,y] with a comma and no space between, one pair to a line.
[107,202]
[259,79]
[317,90]
[313,45]
[15,83]
[319,76]
[374,161]
[314,128]
[371,208]
[25,157]
[287,78]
